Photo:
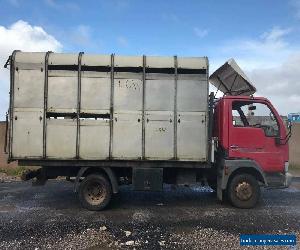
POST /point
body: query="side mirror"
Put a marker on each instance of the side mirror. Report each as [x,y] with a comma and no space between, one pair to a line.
[277,140]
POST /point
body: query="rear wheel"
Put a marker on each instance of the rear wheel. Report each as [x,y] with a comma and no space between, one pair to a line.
[243,191]
[95,192]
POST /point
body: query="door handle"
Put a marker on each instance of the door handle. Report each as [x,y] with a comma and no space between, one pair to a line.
[234,146]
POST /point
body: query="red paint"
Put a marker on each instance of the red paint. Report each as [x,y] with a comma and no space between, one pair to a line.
[252,142]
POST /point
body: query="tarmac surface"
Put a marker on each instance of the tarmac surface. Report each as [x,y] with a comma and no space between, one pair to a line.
[51,217]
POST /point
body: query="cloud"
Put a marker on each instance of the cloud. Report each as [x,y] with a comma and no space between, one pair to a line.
[22,36]
[269,49]
[200,32]
[280,84]
[271,63]
[81,35]
[122,41]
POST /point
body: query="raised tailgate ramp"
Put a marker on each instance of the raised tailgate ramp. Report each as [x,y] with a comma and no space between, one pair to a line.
[231,80]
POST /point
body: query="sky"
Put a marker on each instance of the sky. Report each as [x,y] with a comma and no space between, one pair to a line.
[263,36]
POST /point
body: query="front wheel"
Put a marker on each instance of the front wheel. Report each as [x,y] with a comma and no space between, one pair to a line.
[243,191]
[95,192]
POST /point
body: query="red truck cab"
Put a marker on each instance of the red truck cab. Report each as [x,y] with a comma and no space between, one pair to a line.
[251,128]
[252,149]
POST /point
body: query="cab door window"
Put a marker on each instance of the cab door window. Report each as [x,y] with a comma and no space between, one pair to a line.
[258,115]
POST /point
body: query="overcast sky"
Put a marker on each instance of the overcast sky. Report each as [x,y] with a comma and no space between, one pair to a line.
[262,36]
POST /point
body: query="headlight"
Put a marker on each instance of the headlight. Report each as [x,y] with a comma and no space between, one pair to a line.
[286,166]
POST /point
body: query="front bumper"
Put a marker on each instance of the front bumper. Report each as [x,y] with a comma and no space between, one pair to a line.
[279,180]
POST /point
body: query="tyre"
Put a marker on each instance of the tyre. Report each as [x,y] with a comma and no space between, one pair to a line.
[95,192]
[243,191]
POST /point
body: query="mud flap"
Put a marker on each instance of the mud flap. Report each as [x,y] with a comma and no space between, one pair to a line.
[219,188]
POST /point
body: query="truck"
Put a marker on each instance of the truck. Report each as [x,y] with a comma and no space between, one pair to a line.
[103,121]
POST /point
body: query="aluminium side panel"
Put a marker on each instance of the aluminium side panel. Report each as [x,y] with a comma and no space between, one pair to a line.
[128,93]
[28,99]
[127,135]
[159,135]
[160,94]
[62,99]
[95,84]
[62,83]
[192,94]
[61,138]
[192,101]
[191,136]
[164,108]
[159,108]
[127,107]
[94,139]
[27,133]
[95,95]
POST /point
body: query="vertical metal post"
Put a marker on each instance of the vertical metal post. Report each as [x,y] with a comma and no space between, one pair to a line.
[78,105]
[210,114]
[175,105]
[11,101]
[210,125]
[45,105]
[112,62]
[143,108]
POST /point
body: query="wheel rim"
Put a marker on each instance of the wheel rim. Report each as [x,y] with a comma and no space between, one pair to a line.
[94,192]
[244,191]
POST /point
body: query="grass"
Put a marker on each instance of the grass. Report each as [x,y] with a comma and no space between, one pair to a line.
[294,166]
[12,171]
[294,169]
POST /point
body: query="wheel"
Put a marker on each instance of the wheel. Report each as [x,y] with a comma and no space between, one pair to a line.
[243,191]
[95,192]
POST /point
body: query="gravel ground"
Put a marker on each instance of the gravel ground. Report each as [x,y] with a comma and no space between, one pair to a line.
[50,217]
[7,178]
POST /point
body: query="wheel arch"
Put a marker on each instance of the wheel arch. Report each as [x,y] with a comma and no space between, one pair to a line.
[238,166]
[247,170]
[108,172]
[227,169]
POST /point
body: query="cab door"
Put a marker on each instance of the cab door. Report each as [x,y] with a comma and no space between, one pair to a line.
[252,132]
